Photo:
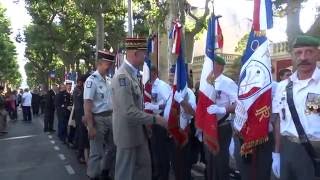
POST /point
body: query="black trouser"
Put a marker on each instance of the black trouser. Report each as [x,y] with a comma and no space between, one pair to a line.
[217,166]
[35,109]
[258,166]
[26,113]
[161,152]
[48,119]
[81,135]
[63,117]
[182,162]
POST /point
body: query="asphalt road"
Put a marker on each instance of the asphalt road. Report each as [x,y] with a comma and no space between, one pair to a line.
[26,152]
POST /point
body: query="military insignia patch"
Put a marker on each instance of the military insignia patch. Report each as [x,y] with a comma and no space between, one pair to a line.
[123,82]
[89,84]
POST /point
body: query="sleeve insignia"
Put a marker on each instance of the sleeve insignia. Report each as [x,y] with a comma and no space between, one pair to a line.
[89,84]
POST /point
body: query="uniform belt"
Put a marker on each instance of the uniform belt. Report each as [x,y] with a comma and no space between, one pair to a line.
[104,113]
[298,141]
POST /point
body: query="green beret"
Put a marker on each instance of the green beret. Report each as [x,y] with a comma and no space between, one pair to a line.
[305,40]
[219,60]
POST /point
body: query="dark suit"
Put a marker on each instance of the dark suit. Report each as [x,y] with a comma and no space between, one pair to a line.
[49,110]
[62,101]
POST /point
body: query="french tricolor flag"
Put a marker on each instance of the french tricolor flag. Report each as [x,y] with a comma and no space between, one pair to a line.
[180,85]
[204,121]
[262,15]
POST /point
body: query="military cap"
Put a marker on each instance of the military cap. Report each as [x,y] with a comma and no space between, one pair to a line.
[106,56]
[306,40]
[136,43]
[219,60]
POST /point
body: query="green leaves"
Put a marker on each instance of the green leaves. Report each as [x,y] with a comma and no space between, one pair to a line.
[8,57]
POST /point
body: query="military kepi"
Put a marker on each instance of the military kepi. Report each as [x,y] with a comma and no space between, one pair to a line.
[219,60]
[136,43]
[105,56]
[306,40]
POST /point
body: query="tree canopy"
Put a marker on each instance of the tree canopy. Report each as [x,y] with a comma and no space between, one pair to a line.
[8,56]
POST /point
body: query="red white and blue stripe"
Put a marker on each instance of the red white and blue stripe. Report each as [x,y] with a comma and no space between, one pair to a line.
[262,15]
[205,121]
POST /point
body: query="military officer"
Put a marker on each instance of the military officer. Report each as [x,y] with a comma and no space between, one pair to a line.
[303,88]
[98,116]
[226,96]
[129,119]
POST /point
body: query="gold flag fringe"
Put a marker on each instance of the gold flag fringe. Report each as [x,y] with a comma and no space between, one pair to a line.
[247,148]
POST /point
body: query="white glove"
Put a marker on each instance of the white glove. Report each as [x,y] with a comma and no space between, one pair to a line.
[178,96]
[231,148]
[276,164]
[150,106]
[214,109]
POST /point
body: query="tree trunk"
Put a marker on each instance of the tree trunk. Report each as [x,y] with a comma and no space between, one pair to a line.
[189,46]
[293,21]
[130,27]
[99,33]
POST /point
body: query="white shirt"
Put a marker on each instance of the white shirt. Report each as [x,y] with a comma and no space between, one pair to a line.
[160,93]
[226,92]
[301,89]
[26,99]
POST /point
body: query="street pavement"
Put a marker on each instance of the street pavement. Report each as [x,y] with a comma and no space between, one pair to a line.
[26,152]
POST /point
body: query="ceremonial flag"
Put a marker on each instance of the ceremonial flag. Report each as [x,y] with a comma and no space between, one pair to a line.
[218,35]
[180,85]
[254,93]
[176,36]
[204,121]
[262,15]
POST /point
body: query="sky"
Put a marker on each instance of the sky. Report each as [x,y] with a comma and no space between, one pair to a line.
[19,18]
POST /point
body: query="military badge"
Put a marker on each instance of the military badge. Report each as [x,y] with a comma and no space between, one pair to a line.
[312,103]
[123,82]
[89,84]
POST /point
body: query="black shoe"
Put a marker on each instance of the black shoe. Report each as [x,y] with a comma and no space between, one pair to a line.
[52,130]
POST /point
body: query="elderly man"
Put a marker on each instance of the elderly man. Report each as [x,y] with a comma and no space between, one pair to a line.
[129,119]
[296,109]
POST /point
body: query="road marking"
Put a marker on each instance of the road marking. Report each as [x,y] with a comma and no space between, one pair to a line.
[56,148]
[62,157]
[69,169]
[50,137]
[52,142]
[17,137]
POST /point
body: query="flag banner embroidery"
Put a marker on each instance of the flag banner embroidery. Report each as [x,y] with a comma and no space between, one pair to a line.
[254,93]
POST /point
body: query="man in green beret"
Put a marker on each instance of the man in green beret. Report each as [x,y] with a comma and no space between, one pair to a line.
[217,165]
[300,93]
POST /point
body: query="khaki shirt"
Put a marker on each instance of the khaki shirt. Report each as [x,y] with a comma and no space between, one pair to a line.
[129,117]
